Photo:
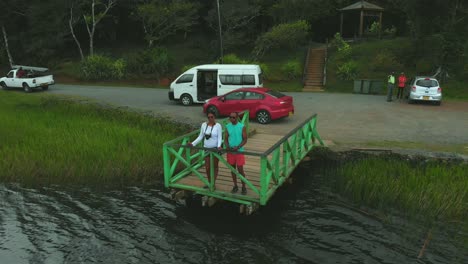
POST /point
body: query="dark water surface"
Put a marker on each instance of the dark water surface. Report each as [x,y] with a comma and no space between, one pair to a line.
[303,224]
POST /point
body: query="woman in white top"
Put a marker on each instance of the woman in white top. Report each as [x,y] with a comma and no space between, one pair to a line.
[212,133]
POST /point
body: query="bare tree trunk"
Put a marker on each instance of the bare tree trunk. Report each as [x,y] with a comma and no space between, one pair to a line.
[70,23]
[94,22]
[5,37]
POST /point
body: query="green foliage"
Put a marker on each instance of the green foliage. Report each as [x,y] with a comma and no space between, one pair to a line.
[99,67]
[385,62]
[348,70]
[79,143]
[233,59]
[163,18]
[292,69]
[237,22]
[286,36]
[265,70]
[154,61]
[187,67]
[391,31]
[343,48]
[375,29]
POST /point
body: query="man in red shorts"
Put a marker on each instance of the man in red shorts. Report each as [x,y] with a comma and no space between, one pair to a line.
[236,138]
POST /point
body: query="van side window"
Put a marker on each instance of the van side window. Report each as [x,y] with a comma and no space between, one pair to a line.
[230,79]
[248,79]
[186,78]
[10,75]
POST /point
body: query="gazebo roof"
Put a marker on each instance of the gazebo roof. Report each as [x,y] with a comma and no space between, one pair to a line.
[362,5]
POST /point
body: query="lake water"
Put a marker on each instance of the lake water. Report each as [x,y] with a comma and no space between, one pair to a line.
[303,224]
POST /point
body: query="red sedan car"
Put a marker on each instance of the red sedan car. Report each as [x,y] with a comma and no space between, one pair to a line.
[263,104]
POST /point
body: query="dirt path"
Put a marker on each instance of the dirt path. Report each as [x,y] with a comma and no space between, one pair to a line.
[343,118]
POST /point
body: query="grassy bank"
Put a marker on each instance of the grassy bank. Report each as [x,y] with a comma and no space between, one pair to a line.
[435,189]
[375,59]
[51,140]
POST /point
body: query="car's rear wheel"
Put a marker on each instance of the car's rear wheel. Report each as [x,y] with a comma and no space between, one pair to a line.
[26,88]
[186,99]
[45,88]
[213,109]
[4,86]
[263,117]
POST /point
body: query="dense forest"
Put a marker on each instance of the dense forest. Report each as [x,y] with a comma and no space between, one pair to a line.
[140,36]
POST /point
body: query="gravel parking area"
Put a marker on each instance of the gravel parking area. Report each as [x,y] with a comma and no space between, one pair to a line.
[341,117]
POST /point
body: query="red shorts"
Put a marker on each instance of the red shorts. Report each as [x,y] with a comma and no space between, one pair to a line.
[236,159]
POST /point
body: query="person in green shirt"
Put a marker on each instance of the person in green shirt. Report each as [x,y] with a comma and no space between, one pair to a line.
[391,84]
[235,139]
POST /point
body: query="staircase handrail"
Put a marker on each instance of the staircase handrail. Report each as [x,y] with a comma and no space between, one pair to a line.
[325,64]
[306,66]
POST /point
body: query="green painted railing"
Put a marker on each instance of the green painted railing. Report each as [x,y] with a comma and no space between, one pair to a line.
[276,164]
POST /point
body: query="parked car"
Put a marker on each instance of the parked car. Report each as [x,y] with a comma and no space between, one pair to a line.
[28,78]
[425,89]
[263,104]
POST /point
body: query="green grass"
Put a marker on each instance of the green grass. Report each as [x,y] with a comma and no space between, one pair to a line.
[365,54]
[51,140]
[453,148]
[435,189]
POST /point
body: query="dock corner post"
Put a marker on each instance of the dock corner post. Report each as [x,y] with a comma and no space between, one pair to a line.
[167,161]
[263,180]
[212,179]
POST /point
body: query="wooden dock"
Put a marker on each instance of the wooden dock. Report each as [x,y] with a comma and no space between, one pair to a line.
[270,160]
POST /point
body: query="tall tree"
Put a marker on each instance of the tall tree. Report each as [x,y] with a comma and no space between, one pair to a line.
[161,19]
[236,16]
[93,19]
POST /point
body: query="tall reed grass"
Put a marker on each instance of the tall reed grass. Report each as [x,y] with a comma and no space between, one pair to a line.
[51,140]
[435,189]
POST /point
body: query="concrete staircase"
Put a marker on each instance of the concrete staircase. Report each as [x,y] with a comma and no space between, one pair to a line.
[314,71]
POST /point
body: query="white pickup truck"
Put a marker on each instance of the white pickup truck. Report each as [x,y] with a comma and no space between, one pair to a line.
[28,78]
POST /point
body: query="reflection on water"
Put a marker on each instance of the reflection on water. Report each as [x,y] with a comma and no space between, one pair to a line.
[300,225]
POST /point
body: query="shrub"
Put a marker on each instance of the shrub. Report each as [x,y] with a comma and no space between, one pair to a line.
[390,31]
[155,61]
[374,29]
[187,67]
[99,67]
[287,35]
[233,59]
[344,49]
[292,69]
[347,71]
[265,70]
[386,62]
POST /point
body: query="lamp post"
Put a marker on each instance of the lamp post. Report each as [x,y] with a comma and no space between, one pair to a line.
[220,35]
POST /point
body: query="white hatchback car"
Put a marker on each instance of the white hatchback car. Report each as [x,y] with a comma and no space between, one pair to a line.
[425,89]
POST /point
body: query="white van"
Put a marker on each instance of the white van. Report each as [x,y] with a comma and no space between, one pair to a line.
[205,81]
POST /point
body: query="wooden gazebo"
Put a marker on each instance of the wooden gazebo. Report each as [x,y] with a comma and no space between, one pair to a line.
[367,9]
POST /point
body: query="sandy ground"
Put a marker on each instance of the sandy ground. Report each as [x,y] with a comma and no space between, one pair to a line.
[342,118]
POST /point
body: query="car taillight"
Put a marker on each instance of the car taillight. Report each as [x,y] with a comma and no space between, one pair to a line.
[413,88]
[280,103]
[439,90]
[34,81]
